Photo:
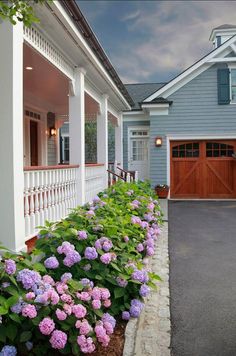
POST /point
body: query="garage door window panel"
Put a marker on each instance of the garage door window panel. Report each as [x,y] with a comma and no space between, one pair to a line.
[215,149]
[186,150]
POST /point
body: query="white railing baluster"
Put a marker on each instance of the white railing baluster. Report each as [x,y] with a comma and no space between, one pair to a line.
[49,194]
[26,204]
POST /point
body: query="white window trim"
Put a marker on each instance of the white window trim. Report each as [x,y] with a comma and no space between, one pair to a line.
[231,66]
[143,128]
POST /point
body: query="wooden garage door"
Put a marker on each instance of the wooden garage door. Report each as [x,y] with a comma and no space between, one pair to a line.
[202,169]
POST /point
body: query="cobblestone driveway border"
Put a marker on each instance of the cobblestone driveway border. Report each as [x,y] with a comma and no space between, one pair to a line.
[150,334]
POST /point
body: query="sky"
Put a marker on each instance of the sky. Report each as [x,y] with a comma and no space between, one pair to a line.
[153,41]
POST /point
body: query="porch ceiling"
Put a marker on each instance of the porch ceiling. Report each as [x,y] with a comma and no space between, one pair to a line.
[44,84]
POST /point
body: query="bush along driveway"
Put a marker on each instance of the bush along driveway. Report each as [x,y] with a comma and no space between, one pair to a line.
[202,243]
[86,272]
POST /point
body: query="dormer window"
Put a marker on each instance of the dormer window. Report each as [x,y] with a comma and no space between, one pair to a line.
[218,41]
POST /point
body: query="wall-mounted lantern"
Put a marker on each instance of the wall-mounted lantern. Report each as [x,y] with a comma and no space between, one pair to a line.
[158,141]
[53,131]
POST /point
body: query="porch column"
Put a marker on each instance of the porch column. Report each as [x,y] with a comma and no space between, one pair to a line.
[119,141]
[102,133]
[76,132]
[11,137]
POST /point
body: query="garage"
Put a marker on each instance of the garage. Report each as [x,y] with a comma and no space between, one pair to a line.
[202,169]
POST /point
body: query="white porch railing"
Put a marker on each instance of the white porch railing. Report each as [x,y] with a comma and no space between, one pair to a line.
[95,180]
[49,193]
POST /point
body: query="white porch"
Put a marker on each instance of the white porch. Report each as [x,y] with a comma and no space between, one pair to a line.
[43,84]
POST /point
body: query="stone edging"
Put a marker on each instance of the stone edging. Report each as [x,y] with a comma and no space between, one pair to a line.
[150,334]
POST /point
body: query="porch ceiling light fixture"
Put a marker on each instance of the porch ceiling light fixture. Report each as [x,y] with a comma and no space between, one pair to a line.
[29,68]
[53,131]
[158,141]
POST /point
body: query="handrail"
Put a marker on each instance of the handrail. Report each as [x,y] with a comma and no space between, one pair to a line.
[116,175]
[46,168]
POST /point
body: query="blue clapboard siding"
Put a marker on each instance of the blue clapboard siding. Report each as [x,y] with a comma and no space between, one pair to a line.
[195,111]
[126,125]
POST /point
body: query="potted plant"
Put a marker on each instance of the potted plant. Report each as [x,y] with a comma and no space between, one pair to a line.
[162,190]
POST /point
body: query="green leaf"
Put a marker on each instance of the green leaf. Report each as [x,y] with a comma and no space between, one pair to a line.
[11,331]
[115,266]
[15,317]
[3,311]
[119,292]
[12,301]
[39,267]
[98,312]
[2,334]
[25,336]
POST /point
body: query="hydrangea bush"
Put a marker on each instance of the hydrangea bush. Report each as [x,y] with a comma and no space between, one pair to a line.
[86,272]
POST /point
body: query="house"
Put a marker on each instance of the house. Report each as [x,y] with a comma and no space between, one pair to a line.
[52,74]
[183,133]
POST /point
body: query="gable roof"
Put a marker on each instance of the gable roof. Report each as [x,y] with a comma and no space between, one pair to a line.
[84,28]
[185,76]
[140,91]
[224,27]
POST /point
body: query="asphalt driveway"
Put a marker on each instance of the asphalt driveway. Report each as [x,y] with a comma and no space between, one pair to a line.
[202,242]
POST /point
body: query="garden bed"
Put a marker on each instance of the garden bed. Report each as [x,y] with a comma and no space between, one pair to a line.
[86,272]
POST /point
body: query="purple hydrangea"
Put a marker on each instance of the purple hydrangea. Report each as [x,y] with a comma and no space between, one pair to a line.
[65,248]
[140,247]
[66,277]
[90,253]
[17,308]
[125,315]
[136,220]
[121,282]
[51,262]
[140,275]
[86,283]
[28,278]
[10,266]
[144,290]
[72,258]
[96,200]
[109,319]
[8,351]
[29,345]
[82,235]
[136,308]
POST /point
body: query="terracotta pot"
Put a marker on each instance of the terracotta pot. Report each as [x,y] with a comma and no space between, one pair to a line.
[162,192]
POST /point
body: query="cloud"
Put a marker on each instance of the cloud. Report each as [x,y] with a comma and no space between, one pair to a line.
[171,35]
[131,16]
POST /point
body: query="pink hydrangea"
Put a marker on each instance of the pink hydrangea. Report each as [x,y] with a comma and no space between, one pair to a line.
[66,298]
[53,296]
[85,327]
[107,303]
[96,293]
[79,311]
[46,326]
[29,311]
[96,304]
[48,279]
[105,294]
[86,344]
[30,295]
[101,334]
[61,287]
[61,315]
[84,296]
[67,308]
[58,339]
[107,258]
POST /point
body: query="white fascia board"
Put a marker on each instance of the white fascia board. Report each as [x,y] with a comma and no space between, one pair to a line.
[113,110]
[222,60]
[65,18]
[155,106]
[91,91]
[133,112]
[190,73]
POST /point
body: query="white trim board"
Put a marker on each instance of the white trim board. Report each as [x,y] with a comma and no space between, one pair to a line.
[191,72]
